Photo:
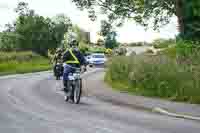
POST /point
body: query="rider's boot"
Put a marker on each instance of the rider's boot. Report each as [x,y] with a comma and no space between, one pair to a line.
[65,84]
[67,89]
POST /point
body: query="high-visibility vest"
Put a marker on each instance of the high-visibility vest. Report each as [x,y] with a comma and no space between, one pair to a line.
[74,61]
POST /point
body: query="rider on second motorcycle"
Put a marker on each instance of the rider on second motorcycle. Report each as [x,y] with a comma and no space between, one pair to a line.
[72,59]
[57,59]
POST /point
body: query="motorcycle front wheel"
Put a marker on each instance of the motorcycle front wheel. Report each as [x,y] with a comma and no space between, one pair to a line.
[77,91]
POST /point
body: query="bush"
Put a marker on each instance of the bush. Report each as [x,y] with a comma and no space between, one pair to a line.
[22,62]
[136,44]
[121,51]
[83,47]
[161,43]
[97,50]
[170,52]
[13,67]
[156,75]
[18,56]
[149,51]
[109,52]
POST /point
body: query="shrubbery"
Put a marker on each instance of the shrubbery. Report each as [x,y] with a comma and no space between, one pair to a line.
[22,62]
[162,43]
[18,56]
[84,48]
[160,75]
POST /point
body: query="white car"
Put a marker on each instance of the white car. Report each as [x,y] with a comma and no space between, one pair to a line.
[96,59]
[87,58]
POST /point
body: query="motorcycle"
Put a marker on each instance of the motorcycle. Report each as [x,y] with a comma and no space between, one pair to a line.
[58,71]
[74,86]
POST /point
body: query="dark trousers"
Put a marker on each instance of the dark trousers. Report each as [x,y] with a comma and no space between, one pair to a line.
[67,69]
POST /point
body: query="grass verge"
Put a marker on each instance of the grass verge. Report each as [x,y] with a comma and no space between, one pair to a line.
[22,62]
[160,76]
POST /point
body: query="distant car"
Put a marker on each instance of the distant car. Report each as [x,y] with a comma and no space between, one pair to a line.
[96,59]
[87,58]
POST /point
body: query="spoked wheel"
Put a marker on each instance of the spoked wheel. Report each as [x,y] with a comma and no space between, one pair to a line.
[77,92]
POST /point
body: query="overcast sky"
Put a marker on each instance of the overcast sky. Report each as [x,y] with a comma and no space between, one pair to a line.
[129,32]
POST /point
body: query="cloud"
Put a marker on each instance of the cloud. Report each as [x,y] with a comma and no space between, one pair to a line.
[7,4]
[4,7]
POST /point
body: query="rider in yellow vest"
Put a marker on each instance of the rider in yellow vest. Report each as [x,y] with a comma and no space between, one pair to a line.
[72,59]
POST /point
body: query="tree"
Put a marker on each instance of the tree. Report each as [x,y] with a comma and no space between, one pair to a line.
[60,26]
[100,42]
[9,27]
[139,10]
[82,34]
[146,12]
[190,20]
[106,28]
[8,41]
[107,31]
[110,40]
[76,32]
[34,32]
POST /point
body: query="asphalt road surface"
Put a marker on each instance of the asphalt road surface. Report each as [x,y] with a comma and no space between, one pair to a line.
[34,104]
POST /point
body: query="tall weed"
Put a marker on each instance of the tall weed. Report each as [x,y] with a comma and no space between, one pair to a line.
[160,75]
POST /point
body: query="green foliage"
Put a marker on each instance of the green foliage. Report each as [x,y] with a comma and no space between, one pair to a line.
[187,48]
[139,10]
[8,41]
[163,43]
[83,47]
[110,41]
[150,13]
[97,50]
[13,67]
[170,52]
[18,56]
[191,18]
[22,62]
[81,35]
[34,32]
[109,35]
[159,75]
[109,52]
[106,28]
[188,52]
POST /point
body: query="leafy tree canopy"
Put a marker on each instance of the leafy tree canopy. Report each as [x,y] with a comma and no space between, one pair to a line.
[154,13]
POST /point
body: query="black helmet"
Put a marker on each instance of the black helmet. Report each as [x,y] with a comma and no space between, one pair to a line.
[74,43]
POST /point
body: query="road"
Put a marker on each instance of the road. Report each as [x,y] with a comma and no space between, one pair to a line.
[34,103]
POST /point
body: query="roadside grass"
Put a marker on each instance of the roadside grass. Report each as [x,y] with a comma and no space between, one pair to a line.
[165,75]
[22,62]
[18,56]
[161,43]
[161,46]
[97,50]
[170,52]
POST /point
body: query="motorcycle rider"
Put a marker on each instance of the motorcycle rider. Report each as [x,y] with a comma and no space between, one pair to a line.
[72,59]
[57,58]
